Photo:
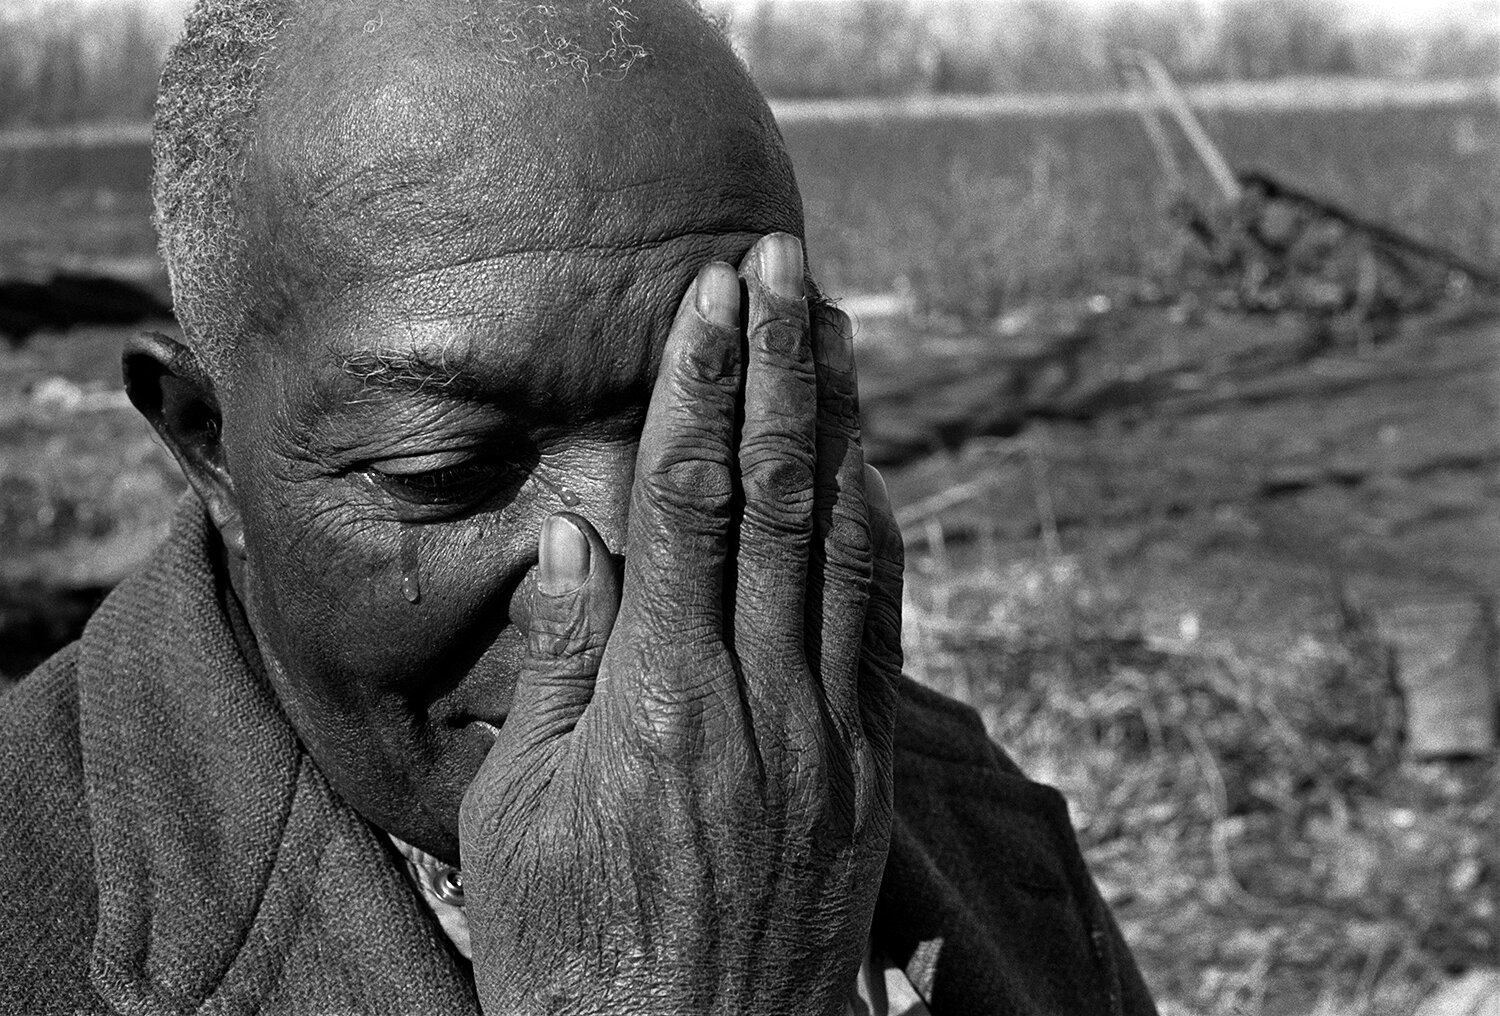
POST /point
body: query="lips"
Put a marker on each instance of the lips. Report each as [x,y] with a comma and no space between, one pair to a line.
[482,698]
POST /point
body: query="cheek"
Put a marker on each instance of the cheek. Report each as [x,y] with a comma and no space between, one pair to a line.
[357,605]
[600,480]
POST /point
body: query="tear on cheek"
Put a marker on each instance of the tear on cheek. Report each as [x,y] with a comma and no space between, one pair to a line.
[411,582]
[568,497]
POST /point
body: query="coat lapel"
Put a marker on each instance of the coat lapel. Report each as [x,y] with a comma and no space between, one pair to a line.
[229,873]
[986,901]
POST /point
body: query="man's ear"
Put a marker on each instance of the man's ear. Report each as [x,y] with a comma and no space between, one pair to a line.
[168,385]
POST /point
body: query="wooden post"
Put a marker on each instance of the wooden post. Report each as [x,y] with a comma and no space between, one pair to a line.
[1156,131]
[1192,128]
[1445,664]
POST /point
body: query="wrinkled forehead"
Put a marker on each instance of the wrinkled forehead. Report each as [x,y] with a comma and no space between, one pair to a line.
[407,146]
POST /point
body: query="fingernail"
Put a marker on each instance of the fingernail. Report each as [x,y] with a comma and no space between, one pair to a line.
[838,345]
[876,492]
[563,554]
[780,261]
[718,298]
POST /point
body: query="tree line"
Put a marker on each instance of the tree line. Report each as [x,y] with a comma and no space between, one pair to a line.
[882,47]
[63,64]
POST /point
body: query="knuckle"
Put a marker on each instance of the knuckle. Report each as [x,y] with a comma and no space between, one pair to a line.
[778,481]
[566,624]
[838,411]
[781,397]
[689,482]
[671,722]
[567,646]
[883,635]
[786,518]
[843,548]
[707,369]
[845,530]
[849,558]
[782,334]
[849,518]
[778,440]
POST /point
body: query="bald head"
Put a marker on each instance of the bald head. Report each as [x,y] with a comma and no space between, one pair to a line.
[303,150]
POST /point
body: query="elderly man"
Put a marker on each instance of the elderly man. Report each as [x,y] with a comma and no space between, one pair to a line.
[532,640]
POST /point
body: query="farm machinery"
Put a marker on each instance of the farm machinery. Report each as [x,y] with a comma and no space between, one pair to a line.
[1270,247]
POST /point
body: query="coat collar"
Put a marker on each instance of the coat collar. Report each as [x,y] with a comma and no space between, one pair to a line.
[986,901]
[225,863]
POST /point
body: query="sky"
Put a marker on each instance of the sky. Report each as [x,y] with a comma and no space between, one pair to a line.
[1414,10]
[1401,12]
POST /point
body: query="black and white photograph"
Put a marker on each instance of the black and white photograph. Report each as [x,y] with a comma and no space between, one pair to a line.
[750,507]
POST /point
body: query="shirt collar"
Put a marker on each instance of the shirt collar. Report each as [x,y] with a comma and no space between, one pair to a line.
[441,887]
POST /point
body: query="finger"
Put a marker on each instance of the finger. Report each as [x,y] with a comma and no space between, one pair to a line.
[680,502]
[777,455]
[882,659]
[841,555]
[571,602]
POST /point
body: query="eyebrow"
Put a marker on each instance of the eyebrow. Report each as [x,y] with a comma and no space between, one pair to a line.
[418,370]
[410,370]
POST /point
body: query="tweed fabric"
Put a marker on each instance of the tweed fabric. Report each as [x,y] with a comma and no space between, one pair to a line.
[201,862]
[986,901]
[166,846]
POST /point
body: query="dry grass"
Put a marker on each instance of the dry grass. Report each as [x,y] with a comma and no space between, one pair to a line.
[1238,784]
[969,216]
[982,243]
[85,486]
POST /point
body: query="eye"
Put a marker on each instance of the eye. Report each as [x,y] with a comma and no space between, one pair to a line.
[444,479]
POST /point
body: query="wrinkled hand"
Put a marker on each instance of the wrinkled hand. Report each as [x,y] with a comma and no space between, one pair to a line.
[689,805]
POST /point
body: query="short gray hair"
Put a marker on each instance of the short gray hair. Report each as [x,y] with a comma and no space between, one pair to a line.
[206,121]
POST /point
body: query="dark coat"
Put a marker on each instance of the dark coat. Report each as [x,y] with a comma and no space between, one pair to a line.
[166,846]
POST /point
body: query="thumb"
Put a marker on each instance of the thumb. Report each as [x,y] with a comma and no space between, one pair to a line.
[571,601]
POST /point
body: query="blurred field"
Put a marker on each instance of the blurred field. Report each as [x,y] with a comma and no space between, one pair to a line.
[967,215]
[971,217]
[1181,613]
[1168,602]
